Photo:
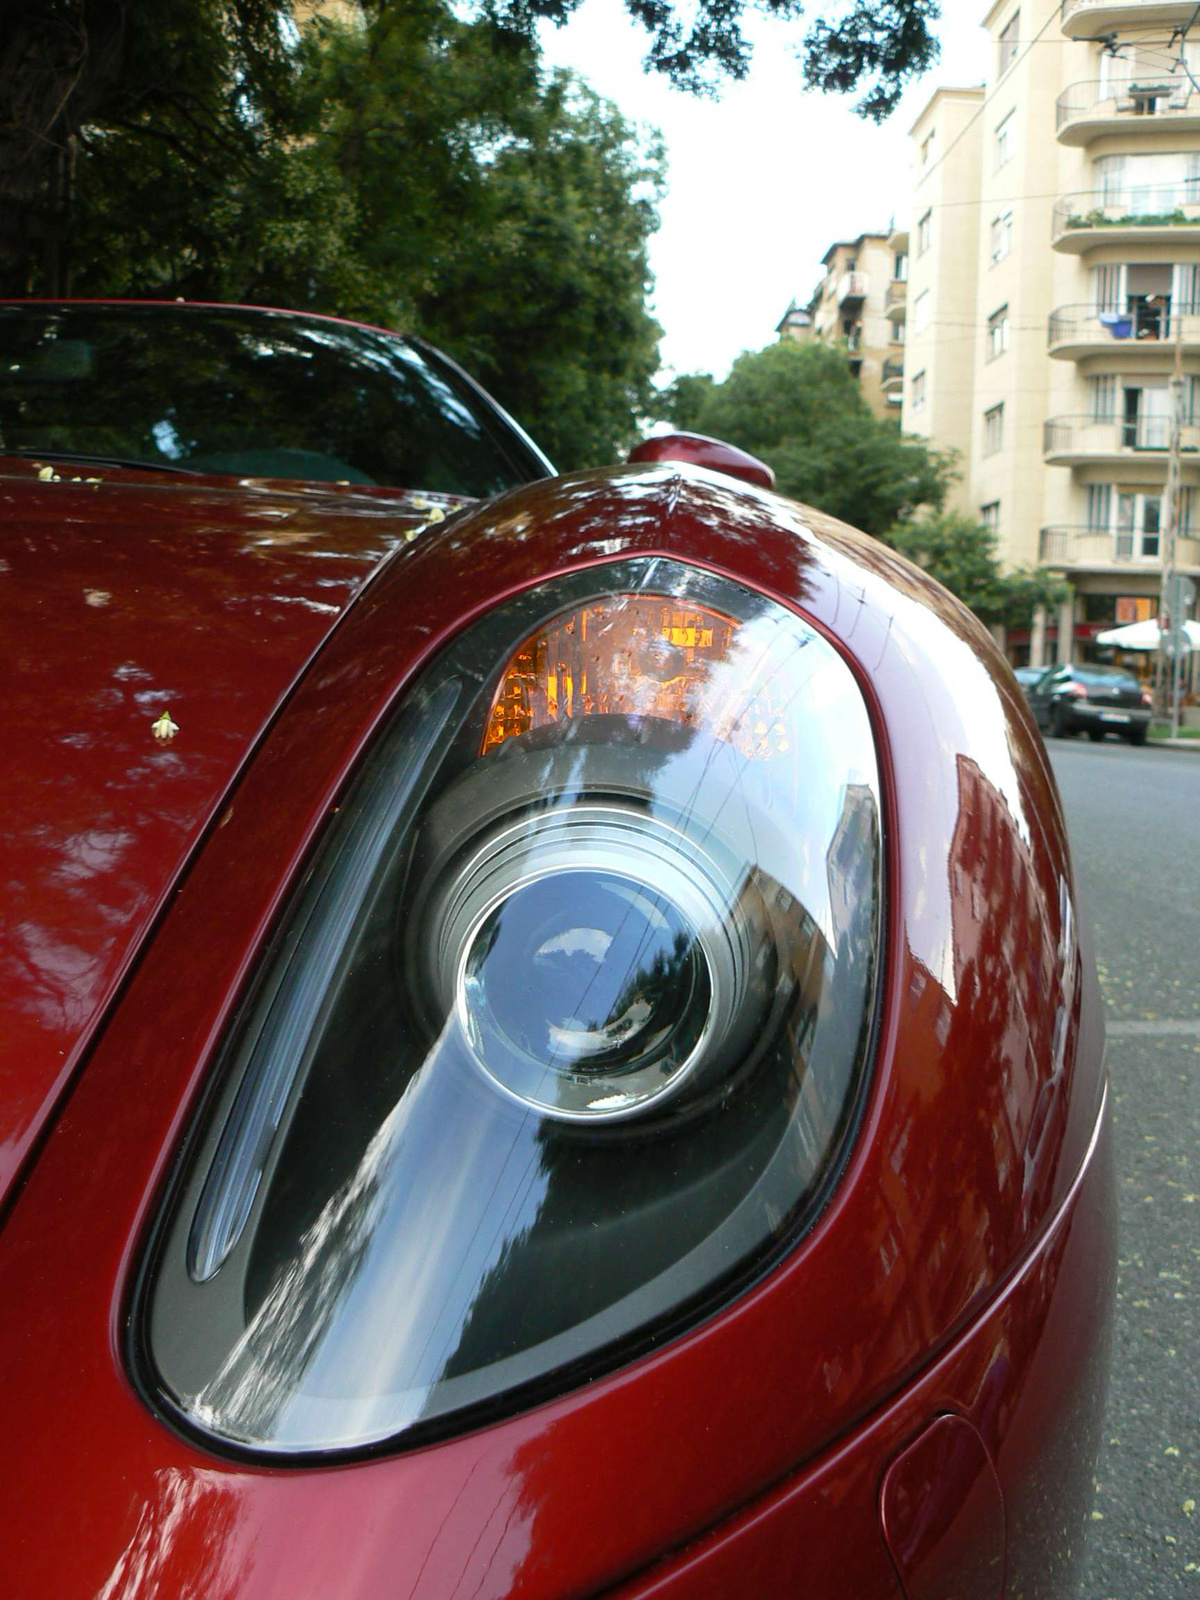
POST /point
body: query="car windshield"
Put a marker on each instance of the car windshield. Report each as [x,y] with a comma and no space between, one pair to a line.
[249,393]
[1107,677]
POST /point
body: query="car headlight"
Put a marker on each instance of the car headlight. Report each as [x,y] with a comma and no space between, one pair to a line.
[561,1041]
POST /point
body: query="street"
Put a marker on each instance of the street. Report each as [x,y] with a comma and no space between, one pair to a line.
[1132,816]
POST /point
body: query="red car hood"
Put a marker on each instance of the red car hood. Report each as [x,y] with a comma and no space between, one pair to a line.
[120,600]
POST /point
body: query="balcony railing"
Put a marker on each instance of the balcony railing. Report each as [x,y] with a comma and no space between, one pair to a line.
[896,297]
[1147,322]
[852,286]
[1106,547]
[1135,101]
[1086,437]
[1148,206]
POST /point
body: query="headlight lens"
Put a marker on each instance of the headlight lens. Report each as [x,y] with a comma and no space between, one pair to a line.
[562,1039]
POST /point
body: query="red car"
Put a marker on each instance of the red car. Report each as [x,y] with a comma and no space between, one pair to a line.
[548,1049]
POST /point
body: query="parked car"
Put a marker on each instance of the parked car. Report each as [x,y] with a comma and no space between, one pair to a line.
[1096,700]
[548,1049]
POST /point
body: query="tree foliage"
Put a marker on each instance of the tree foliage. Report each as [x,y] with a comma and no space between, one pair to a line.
[67,66]
[874,46]
[961,554]
[800,409]
[411,165]
[415,171]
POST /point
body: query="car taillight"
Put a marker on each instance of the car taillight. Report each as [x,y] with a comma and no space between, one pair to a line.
[1076,691]
[562,1040]
[1147,700]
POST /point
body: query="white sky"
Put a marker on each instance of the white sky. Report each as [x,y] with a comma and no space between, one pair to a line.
[760,182]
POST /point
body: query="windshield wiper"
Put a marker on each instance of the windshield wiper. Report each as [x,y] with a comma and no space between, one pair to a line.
[87,458]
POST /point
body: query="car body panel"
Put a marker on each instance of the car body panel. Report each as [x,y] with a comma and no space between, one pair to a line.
[123,596]
[1025,1383]
[984,1104]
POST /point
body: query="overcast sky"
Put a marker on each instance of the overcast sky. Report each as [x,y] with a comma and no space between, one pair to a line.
[761,182]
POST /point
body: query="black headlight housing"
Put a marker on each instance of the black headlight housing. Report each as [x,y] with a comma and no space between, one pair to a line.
[561,1040]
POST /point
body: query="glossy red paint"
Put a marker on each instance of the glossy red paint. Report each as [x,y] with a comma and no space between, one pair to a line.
[943,1515]
[970,1222]
[122,597]
[698,450]
[824,1531]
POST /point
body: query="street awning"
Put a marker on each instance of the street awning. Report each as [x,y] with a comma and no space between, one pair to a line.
[1145,635]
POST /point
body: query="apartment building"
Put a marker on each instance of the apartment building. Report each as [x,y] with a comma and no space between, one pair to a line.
[939,371]
[1055,266]
[859,303]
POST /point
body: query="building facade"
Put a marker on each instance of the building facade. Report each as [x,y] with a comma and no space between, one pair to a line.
[1055,268]
[859,304]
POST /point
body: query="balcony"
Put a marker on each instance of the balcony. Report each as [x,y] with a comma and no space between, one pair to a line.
[852,286]
[895,300]
[1065,548]
[1087,111]
[1088,441]
[1077,331]
[1084,19]
[892,380]
[1149,215]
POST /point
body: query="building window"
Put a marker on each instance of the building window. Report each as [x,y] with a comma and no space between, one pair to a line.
[925,233]
[896,334]
[899,266]
[918,392]
[1002,235]
[927,147]
[1009,44]
[1101,392]
[921,307]
[993,430]
[997,333]
[1006,140]
[1099,507]
[989,516]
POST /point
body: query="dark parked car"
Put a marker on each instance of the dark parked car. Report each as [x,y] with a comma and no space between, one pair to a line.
[547,1045]
[1094,700]
[1027,677]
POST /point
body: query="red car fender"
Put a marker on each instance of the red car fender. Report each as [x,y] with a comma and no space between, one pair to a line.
[987,1087]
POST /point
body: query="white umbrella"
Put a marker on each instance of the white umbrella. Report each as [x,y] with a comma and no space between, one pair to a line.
[1144,635]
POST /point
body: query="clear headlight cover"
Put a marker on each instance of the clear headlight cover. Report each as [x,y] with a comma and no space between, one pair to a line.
[561,1042]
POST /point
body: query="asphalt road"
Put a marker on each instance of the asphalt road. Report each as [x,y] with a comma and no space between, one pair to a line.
[1134,817]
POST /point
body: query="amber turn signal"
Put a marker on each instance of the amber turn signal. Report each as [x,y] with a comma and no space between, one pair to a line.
[628,656]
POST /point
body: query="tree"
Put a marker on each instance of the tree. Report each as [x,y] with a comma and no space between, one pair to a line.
[961,554]
[548,305]
[68,66]
[800,409]
[876,46]
[420,176]
[682,402]
[71,65]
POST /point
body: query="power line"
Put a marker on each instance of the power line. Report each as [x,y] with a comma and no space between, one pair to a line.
[1178,58]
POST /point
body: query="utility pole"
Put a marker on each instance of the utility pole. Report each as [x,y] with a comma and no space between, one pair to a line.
[1170,625]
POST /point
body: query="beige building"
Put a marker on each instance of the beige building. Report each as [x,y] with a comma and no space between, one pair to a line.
[1055,260]
[859,304]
